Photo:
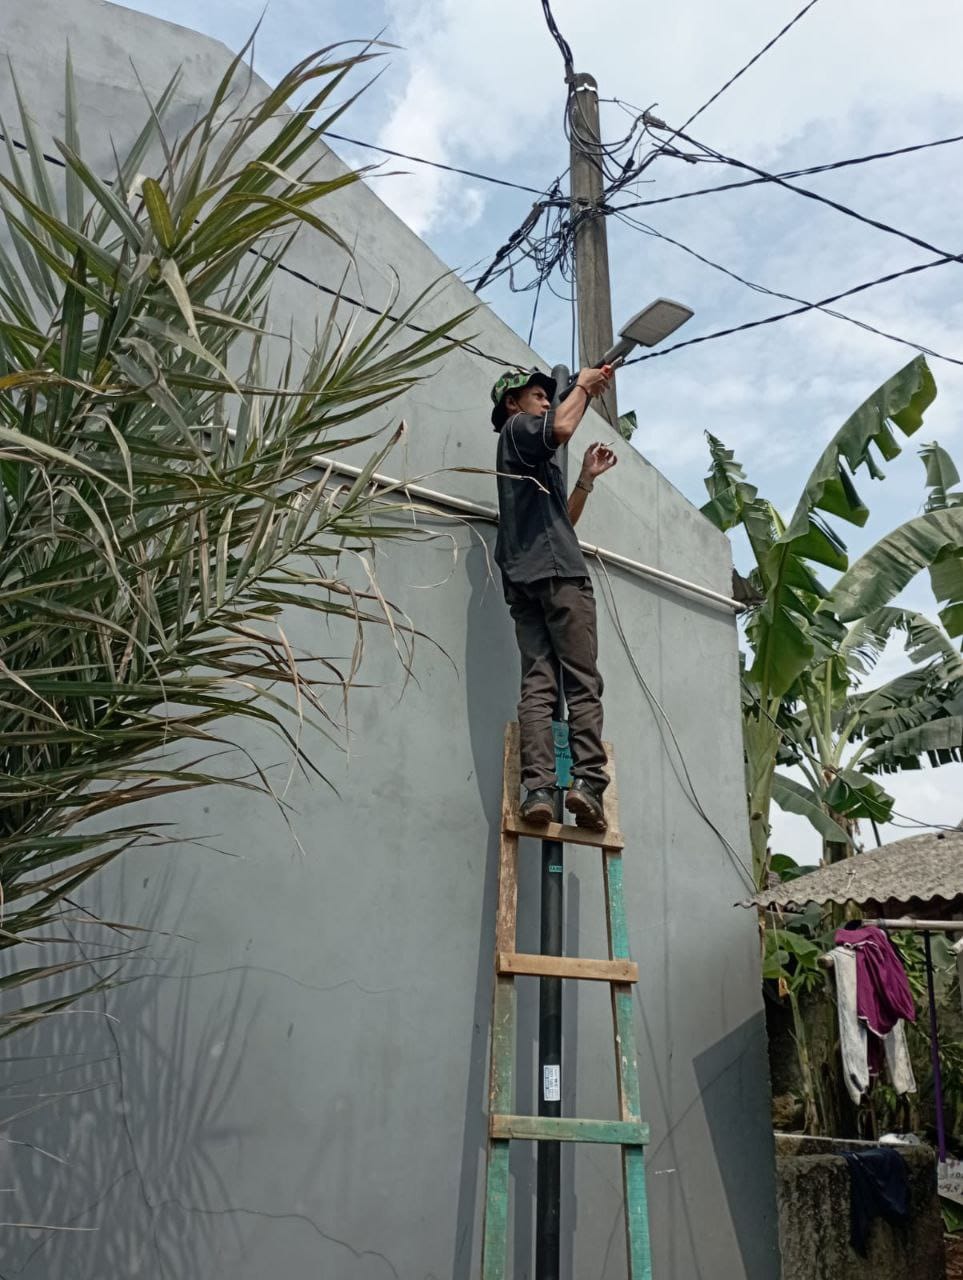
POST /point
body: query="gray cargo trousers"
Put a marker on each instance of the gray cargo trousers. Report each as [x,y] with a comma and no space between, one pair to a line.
[556,628]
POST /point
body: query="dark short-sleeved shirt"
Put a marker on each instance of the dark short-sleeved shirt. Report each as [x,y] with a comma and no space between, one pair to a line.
[535,534]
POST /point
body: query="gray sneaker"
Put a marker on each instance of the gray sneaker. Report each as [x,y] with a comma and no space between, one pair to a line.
[586,803]
[538,806]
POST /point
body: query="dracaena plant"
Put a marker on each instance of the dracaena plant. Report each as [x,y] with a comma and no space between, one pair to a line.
[810,648]
[159,506]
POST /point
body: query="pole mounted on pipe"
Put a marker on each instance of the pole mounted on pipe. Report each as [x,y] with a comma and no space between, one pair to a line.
[551,935]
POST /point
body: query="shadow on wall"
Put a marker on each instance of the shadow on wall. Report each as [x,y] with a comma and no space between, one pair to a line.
[120,1117]
[728,1075]
[491,676]
[489,703]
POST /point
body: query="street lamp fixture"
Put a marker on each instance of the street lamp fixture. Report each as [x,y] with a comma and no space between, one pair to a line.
[647,328]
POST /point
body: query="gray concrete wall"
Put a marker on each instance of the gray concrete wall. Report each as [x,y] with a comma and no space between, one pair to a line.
[294,1084]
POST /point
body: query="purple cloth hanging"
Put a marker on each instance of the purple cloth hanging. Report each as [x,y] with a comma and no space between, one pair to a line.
[883,993]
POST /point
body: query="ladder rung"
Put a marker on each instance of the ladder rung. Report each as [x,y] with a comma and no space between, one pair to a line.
[562,831]
[568,967]
[625,1133]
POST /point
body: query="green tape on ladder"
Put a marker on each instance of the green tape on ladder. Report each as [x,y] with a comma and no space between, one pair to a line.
[563,754]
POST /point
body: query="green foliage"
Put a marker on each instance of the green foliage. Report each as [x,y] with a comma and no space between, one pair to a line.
[941,476]
[929,541]
[805,702]
[793,797]
[159,506]
[791,956]
[899,402]
[628,424]
[952,1215]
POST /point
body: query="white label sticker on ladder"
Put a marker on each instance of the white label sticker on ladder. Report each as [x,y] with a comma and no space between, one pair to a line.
[552,1083]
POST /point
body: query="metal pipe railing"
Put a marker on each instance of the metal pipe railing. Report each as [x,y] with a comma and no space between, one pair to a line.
[480,512]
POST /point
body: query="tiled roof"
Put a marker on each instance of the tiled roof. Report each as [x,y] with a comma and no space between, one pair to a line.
[900,877]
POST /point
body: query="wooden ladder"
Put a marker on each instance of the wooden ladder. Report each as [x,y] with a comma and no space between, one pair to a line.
[628,1132]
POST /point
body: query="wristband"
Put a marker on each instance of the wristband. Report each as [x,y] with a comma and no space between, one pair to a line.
[580,484]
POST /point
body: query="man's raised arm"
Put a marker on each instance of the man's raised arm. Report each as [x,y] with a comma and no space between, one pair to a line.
[589,383]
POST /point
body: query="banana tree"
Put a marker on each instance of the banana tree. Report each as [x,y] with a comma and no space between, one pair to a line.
[918,714]
[158,504]
[803,664]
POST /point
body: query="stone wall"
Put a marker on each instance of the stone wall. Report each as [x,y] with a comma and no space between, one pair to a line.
[814,1219]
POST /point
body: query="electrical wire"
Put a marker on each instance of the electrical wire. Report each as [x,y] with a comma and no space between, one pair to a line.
[564,233]
[775,293]
[58,161]
[555,251]
[364,306]
[798,311]
[305,279]
[791,173]
[605,156]
[538,294]
[564,47]
[931,826]
[821,199]
[665,147]
[688,788]
[355,142]
[521,242]
[434,164]
[752,61]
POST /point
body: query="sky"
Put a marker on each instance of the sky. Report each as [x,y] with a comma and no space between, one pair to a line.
[480,86]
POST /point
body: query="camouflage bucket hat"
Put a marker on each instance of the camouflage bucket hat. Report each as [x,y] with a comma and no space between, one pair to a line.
[514,380]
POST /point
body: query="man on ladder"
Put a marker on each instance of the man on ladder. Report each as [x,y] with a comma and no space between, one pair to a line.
[547,585]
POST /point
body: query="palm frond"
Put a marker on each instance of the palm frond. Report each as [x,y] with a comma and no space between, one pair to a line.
[159,508]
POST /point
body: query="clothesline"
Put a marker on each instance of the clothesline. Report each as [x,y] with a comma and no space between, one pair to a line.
[926,928]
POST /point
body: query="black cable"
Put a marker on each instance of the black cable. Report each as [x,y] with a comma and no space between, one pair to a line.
[356,142]
[917,822]
[434,164]
[793,173]
[538,294]
[564,47]
[364,306]
[467,346]
[603,155]
[22,146]
[521,235]
[718,94]
[798,311]
[821,199]
[299,275]
[563,236]
[608,595]
[554,251]
[752,61]
[775,293]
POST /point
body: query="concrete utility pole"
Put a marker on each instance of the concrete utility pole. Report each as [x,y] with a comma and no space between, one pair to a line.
[592,286]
